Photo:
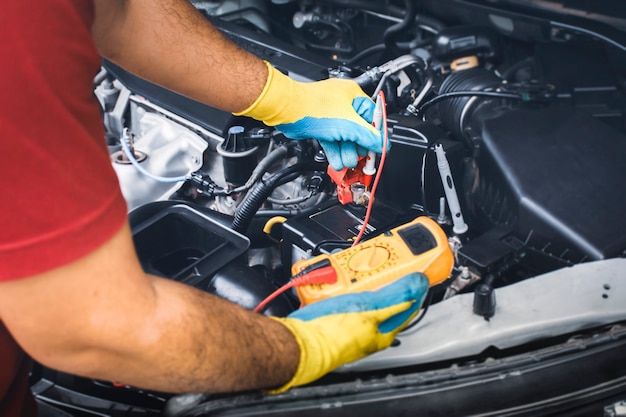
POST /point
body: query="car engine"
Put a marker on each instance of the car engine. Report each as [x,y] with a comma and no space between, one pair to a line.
[508,130]
[514,147]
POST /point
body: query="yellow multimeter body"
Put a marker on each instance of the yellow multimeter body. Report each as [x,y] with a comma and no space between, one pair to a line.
[418,246]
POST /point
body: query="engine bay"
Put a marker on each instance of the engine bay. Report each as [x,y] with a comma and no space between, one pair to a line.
[507,130]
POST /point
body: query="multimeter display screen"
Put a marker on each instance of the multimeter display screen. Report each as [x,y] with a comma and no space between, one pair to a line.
[418,238]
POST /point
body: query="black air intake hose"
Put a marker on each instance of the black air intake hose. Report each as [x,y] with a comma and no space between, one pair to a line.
[454,112]
[259,194]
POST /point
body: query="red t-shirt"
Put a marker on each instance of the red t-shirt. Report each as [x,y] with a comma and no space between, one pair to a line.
[61,198]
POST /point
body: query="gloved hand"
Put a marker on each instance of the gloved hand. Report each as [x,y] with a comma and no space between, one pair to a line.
[348,327]
[335,112]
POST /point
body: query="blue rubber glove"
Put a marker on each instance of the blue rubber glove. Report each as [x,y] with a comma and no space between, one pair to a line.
[335,112]
[342,329]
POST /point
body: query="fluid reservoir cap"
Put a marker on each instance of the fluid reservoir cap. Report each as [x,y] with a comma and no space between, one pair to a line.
[368,259]
[233,130]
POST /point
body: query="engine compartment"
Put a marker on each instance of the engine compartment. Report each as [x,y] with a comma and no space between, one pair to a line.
[529,111]
[532,132]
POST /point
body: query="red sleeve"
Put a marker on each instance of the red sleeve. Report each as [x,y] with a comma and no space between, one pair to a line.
[61,197]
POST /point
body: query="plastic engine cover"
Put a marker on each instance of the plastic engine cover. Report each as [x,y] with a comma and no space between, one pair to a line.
[562,175]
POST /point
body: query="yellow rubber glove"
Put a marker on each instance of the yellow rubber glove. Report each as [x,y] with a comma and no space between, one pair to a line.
[335,112]
[342,329]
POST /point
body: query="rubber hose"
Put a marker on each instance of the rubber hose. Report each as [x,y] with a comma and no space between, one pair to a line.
[254,200]
[394,31]
[259,194]
[276,155]
[375,49]
[451,111]
[390,88]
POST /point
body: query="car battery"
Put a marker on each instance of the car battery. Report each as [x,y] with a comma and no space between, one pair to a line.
[410,175]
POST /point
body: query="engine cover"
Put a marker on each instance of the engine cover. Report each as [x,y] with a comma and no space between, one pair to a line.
[559,176]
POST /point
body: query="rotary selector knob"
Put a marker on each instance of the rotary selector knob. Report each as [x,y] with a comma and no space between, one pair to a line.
[368,259]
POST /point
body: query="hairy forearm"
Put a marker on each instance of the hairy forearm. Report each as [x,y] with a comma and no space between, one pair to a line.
[170,43]
[192,342]
[109,320]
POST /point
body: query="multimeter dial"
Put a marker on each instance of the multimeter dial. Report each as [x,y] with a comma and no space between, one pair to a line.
[368,258]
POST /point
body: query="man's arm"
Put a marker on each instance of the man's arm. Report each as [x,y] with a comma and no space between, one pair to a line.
[170,43]
[103,317]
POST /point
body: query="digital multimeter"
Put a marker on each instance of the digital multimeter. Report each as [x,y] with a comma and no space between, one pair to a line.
[418,246]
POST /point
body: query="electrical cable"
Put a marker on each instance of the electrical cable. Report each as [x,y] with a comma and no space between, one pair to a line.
[273,155]
[257,196]
[425,305]
[327,242]
[271,158]
[423,176]
[394,66]
[287,201]
[322,197]
[381,47]
[374,49]
[383,158]
[318,273]
[261,306]
[454,94]
[142,170]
